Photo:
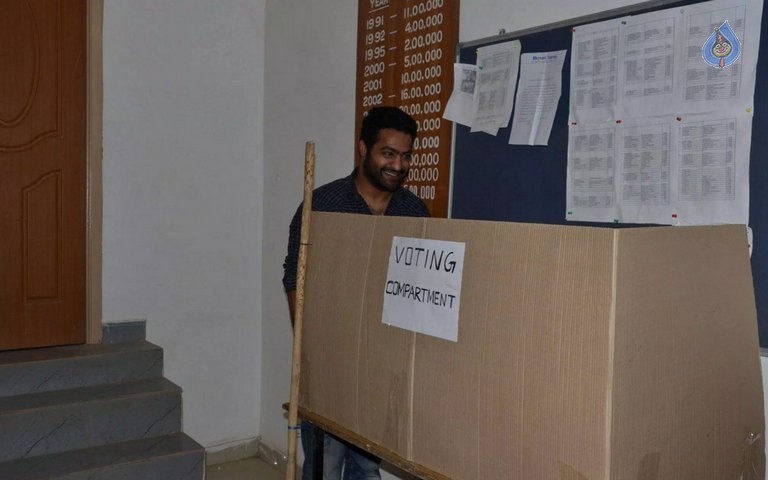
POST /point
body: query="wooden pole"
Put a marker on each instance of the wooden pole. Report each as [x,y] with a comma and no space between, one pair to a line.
[298,320]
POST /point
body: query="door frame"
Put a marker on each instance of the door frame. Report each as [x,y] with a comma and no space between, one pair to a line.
[94,156]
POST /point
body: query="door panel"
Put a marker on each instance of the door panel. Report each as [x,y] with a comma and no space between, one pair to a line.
[42,172]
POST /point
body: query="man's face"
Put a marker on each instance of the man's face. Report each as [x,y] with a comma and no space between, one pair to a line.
[387,163]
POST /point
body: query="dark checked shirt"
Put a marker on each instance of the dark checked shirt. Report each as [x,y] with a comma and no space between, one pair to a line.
[342,196]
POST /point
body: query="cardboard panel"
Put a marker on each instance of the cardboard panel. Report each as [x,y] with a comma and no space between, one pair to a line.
[524,388]
[561,299]
[386,353]
[687,388]
[447,375]
[582,352]
[333,306]
[503,399]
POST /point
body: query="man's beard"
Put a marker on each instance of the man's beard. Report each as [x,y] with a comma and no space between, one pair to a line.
[377,178]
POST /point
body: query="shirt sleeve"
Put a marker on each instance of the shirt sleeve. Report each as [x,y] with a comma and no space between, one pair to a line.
[290,265]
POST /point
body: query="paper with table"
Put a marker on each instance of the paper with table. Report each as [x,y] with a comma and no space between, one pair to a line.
[661,115]
[498,66]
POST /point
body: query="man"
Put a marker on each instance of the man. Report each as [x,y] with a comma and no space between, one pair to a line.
[375,188]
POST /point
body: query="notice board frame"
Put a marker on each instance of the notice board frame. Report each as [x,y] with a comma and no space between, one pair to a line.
[492,180]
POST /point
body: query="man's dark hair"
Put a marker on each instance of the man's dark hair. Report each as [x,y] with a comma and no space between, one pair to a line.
[379,118]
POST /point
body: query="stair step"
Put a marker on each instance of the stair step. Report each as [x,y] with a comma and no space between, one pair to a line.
[124,331]
[58,368]
[167,457]
[49,422]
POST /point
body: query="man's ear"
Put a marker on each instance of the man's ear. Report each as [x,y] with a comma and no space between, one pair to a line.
[361,149]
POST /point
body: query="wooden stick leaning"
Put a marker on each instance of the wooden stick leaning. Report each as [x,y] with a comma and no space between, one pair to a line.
[298,320]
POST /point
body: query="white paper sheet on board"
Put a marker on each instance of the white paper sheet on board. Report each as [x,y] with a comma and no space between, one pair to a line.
[496,80]
[594,72]
[460,107]
[707,89]
[591,176]
[538,94]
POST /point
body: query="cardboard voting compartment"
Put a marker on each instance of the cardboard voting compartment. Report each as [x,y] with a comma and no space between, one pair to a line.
[582,353]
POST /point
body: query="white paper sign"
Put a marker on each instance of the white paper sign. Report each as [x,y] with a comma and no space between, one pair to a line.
[423,288]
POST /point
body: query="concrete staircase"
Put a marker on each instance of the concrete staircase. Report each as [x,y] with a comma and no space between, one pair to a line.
[93,412]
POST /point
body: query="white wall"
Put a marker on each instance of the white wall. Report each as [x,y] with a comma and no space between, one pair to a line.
[309,96]
[183,171]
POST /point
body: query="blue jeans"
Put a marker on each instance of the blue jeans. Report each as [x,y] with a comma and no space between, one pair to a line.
[338,455]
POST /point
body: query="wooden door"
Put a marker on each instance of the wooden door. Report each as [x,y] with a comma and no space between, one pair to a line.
[42,172]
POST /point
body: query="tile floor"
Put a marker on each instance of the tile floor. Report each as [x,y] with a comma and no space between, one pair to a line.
[248,469]
[257,469]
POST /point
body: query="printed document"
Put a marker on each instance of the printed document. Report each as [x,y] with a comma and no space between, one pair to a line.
[537,97]
[680,111]
[460,107]
[495,90]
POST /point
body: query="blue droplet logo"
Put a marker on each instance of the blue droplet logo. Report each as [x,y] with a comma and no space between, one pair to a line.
[722,48]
